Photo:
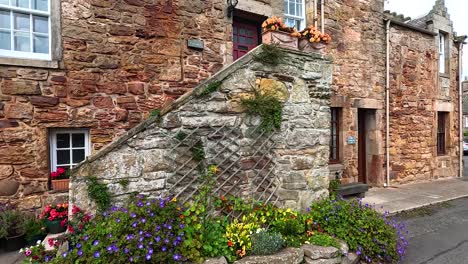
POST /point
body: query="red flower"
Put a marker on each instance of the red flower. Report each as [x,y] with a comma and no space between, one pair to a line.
[63,222]
[60,170]
[75,209]
[54,175]
[80,227]
[71,229]
[50,241]
[223,198]
[35,257]
[230,244]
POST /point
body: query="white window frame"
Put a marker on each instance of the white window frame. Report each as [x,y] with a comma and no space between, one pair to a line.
[442,53]
[302,18]
[53,146]
[28,55]
[466,121]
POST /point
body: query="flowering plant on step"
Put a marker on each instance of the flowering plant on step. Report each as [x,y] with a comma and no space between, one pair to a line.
[276,24]
[37,253]
[313,35]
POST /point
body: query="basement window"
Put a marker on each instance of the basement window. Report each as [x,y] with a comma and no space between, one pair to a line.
[68,147]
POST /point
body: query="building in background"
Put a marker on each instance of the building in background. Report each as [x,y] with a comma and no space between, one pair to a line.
[74,75]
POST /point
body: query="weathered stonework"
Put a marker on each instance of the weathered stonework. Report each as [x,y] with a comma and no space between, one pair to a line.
[300,153]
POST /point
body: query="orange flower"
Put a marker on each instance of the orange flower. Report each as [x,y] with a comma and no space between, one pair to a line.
[230,244]
[181,216]
[223,198]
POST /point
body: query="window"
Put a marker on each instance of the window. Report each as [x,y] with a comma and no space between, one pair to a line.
[441,128]
[335,135]
[25,29]
[294,13]
[68,148]
[466,121]
[443,58]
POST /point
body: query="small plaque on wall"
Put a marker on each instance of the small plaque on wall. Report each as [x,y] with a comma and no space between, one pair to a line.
[351,140]
[196,44]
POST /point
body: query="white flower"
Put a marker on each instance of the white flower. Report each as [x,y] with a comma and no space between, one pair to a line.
[21,251]
[38,242]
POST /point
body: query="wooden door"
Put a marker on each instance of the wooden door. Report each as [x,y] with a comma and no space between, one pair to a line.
[362,146]
[245,38]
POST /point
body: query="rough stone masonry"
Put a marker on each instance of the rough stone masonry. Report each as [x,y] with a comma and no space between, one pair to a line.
[295,166]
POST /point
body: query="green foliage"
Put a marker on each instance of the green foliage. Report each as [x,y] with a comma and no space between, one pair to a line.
[210,88]
[366,231]
[266,243]
[205,233]
[181,136]
[13,222]
[239,235]
[333,186]
[154,113]
[270,54]
[99,193]
[34,227]
[267,107]
[124,183]
[323,240]
[198,153]
[465,133]
[144,230]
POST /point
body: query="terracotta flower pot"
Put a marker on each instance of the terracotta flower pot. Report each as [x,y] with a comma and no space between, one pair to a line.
[282,39]
[60,185]
[306,46]
[54,227]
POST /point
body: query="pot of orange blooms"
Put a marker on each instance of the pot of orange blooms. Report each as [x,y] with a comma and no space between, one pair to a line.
[312,40]
[60,179]
[276,32]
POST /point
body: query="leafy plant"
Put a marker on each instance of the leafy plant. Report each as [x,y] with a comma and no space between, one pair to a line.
[373,236]
[266,243]
[14,222]
[270,54]
[181,136]
[124,183]
[154,113]
[323,240]
[267,107]
[239,235]
[210,88]
[34,227]
[99,192]
[37,254]
[144,230]
[333,186]
[198,153]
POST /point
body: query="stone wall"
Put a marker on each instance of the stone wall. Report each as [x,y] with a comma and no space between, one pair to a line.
[358,50]
[296,164]
[121,59]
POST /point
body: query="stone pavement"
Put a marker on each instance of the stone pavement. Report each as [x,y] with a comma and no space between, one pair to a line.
[410,196]
[10,257]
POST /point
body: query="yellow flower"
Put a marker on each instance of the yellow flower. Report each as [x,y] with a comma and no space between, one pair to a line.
[174,199]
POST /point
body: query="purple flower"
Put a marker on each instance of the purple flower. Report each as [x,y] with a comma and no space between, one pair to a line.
[95,243]
[109,235]
[140,232]
[117,220]
[64,254]
[161,204]
[150,251]
[131,259]
[177,257]
[133,215]
[169,227]
[135,224]
[141,239]
[164,249]
[148,203]
[148,256]
[104,214]
[143,220]
[126,250]
[129,237]
[97,254]
[158,228]
[151,214]
[179,238]
[80,253]
[166,241]
[308,209]
[140,246]
[109,248]
[85,238]
[78,245]
[157,239]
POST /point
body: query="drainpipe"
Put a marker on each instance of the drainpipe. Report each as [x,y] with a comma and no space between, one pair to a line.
[322,17]
[387,104]
[315,13]
[460,105]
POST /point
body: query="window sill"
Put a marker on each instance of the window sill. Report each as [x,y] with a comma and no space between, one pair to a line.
[54,64]
[445,75]
[335,166]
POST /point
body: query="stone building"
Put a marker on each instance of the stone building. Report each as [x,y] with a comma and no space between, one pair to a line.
[75,75]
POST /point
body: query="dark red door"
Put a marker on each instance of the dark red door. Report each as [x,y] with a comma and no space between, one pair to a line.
[245,38]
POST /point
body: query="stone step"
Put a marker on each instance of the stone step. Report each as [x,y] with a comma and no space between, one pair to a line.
[353,189]
[46,239]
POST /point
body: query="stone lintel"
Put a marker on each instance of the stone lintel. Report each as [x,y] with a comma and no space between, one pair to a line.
[442,106]
[367,103]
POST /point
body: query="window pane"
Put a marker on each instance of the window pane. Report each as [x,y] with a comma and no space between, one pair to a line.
[40,5]
[286,7]
[5,19]
[4,2]
[5,40]
[22,42]
[20,3]
[78,140]
[299,10]
[41,44]
[63,140]
[63,157]
[291,9]
[78,155]
[21,21]
[41,24]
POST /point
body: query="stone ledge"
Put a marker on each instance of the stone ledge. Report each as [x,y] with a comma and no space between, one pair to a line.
[285,256]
